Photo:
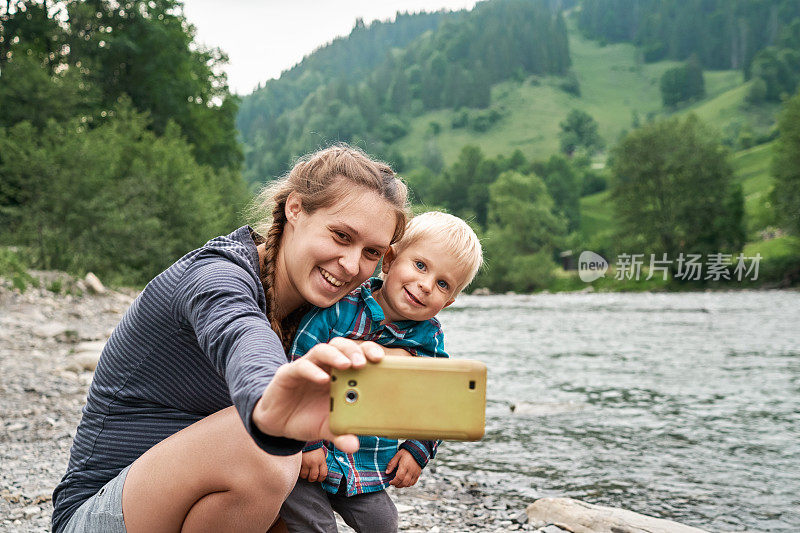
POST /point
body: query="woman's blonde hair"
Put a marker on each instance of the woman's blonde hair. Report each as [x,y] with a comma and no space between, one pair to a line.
[320,179]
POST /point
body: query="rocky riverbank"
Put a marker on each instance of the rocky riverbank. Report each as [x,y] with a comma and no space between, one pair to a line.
[50,337]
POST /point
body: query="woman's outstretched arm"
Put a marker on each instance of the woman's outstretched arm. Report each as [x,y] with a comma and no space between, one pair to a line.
[212,476]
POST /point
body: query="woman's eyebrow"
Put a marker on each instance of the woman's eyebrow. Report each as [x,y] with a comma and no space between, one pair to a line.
[354,232]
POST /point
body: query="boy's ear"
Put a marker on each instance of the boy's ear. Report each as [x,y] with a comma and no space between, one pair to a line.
[293,207]
[449,302]
[388,259]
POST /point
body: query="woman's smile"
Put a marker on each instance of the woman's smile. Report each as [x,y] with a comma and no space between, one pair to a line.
[330,278]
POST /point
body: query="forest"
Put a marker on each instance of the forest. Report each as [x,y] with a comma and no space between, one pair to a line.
[122,147]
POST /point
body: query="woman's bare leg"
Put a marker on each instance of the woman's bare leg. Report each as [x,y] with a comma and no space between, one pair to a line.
[210,476]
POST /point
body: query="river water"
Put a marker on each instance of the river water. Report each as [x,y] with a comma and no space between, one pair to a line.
[683,406]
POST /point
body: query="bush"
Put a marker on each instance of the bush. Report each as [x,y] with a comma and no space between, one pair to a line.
[481,121]
[460,119]
[570,84]
[593,183]
[757,92]
[116,199]
[15,270]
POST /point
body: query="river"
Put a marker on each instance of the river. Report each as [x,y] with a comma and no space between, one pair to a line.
[684,406]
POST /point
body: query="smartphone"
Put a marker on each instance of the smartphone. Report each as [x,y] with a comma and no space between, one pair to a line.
[411,398]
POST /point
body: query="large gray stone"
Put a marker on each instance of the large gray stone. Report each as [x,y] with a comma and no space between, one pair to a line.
[94,284]
[50,330]
[582,517]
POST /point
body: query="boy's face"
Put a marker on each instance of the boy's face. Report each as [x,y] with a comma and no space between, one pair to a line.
[420,281]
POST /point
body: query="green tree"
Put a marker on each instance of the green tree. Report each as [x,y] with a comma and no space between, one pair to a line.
[145,49]
[522,233]
[673,190]
[579,130]
[564,186]
[116,199]
[683,83]
[786,166]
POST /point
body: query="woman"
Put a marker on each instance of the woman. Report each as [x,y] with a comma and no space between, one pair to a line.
[159,440]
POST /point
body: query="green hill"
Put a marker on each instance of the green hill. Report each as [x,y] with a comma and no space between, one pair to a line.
[615,86]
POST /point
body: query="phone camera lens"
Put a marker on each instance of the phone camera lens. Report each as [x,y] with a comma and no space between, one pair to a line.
[351,396]
[352,383]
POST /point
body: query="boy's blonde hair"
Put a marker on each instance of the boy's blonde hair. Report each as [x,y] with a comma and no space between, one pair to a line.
[458,237]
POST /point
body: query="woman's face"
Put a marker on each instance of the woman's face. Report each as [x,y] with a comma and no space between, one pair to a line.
[328,253]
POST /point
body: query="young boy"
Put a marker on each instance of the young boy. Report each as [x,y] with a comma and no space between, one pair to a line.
[437,257]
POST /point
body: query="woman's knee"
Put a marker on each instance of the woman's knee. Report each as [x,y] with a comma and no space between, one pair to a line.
[271,474]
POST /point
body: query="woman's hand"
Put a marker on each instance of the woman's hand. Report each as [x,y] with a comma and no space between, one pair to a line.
[296,403]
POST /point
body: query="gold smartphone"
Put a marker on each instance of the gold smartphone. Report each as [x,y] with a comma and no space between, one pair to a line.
[411,398]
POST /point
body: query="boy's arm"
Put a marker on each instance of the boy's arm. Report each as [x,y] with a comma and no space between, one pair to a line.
[422,450]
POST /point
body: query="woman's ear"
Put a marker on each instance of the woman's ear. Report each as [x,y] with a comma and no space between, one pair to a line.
[388,259]
[293,207]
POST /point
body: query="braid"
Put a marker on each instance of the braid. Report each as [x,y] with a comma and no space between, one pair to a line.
[286,328]
[273,242]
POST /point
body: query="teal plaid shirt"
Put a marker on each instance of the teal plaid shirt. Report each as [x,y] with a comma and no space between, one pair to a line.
[358,316]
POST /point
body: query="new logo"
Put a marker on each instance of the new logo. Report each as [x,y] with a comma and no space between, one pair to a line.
[591,266]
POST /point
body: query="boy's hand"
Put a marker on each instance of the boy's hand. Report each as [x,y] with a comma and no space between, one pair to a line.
[408,470]
[313,466]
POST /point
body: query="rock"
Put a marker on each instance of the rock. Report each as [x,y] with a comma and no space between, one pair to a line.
[9,496]
[581,517]
[404,508]
[92,346]
[86,361]
[42,497]
[520,518]
[482,291]
[50,330]
[16,426]
[552,529]
[94,284]
[30,512]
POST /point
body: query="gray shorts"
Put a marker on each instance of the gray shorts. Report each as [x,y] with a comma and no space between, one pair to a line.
[102,513]
[309,509]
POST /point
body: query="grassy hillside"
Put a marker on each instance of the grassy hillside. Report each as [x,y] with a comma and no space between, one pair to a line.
[615,84]
[752,170]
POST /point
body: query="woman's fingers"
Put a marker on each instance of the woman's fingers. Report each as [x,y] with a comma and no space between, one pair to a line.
[373,351]
[350,349]
[327,356]
[346,443]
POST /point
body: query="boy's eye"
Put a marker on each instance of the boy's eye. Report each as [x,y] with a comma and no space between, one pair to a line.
[419,264]
[373,253]
[443,284]
[341,235]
